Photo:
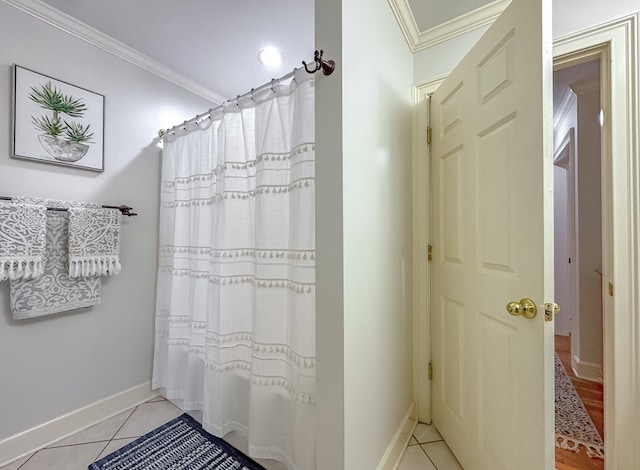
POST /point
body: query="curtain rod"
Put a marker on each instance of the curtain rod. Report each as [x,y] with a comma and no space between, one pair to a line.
[126,210]
[327,67]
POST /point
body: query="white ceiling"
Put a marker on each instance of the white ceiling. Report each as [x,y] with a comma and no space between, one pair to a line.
[215,42]
[430,13]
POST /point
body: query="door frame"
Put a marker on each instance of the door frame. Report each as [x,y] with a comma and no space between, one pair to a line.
[568,145]
[615,43]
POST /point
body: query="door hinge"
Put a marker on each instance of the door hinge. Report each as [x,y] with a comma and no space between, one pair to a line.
[429,134]
[430,371]
[429,252]
[611,289]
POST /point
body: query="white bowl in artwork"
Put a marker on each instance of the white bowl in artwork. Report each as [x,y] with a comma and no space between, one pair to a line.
[63,150]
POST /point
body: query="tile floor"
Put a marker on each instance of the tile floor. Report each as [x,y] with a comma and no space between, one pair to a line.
[79,450]
[426,451]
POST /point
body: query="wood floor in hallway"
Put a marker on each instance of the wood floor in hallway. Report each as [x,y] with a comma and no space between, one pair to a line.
[592,396]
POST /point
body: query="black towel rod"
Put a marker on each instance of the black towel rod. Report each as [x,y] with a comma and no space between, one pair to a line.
[126,210]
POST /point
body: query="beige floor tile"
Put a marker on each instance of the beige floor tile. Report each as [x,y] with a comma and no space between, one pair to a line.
[272,464]
[76,457]
[100,432]
[15,465]
[147,417]
[413,442]
[441,456]
[424,433]
[237,440]
[115,445]
[415,459]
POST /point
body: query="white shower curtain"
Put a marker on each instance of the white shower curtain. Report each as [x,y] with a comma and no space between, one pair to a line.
[235,319]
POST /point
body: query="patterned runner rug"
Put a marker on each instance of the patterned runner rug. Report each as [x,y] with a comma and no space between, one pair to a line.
[574,426]
[181,444]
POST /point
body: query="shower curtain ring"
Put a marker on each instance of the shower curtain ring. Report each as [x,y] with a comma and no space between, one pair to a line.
[252,98]
[273,84]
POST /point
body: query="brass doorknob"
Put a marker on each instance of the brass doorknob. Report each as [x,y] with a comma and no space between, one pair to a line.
[526,308]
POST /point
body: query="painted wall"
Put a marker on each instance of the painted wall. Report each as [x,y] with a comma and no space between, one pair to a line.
[59,363]
[330,311]
[563,122]
[364,187]
[562,324]
[591,12]
[377,151]
[587,351]
[442,58]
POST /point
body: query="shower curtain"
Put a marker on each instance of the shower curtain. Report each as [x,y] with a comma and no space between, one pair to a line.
[235,311]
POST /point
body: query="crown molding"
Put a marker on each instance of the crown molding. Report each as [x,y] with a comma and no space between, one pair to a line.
[406,21]
[70,25]
[418,40]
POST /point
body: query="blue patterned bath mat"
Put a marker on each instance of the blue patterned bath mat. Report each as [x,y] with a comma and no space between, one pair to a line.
[181,444]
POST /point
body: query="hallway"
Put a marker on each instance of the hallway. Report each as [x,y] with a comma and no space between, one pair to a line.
[591,394]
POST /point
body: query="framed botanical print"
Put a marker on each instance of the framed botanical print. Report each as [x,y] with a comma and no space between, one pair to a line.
[57,122]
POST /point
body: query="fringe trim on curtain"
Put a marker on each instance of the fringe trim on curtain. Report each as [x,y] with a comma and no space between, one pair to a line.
[568,443]
[98,266]
[20,269]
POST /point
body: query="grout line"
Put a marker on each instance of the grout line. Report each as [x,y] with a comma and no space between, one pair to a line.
[96,458]
[107,441]
[427,442]
[97,441]
[430,442]
[25,462]
[425,453]
[117,431]
[133,410]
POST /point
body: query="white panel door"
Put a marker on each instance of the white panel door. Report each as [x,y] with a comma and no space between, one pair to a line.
[492,236]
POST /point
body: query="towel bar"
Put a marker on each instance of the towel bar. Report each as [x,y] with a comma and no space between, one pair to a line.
[126,210]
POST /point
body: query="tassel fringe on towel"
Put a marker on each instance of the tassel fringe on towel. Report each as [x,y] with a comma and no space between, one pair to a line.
[94,267]
[23,269]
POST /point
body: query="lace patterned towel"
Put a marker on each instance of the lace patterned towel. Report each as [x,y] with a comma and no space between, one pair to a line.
[94,242]
[22,241]
[54,291]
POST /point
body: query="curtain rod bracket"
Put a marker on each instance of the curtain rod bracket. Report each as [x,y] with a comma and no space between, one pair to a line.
[327,66]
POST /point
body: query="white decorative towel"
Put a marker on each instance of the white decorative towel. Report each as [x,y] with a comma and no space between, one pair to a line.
[94,242]
[54,291]
[22,241]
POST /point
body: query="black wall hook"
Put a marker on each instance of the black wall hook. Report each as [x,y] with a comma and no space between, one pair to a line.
[327,66]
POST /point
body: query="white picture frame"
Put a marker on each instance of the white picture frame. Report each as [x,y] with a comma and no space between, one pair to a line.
[56,122]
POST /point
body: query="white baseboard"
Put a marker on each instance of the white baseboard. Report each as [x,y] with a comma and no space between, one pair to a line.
[43,435]
[400,441]
[587,370]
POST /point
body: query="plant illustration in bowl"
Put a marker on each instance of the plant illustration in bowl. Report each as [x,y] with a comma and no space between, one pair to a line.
[65,141]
